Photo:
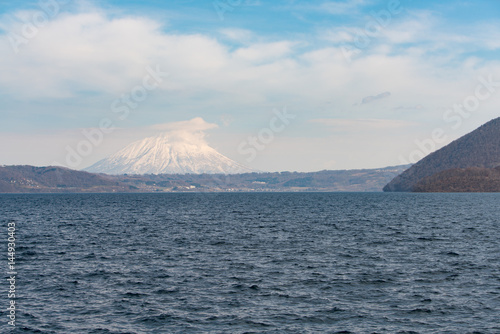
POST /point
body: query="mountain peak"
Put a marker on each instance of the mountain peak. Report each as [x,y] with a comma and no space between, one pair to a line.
[168,153]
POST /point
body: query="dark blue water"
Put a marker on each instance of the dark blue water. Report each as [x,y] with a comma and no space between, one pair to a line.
[255,263]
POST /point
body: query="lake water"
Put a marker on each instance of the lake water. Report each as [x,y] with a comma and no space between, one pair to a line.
[254,263]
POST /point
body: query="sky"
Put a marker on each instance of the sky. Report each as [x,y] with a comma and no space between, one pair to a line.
[274,85]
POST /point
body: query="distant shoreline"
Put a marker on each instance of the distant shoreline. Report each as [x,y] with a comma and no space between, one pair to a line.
[30,179]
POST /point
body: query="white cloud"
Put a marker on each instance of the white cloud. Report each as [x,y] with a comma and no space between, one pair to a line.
[340,35]
[192,131]
[79,52]
[193,125]
[237,35]
[89,51]
[264,52]
[92,52]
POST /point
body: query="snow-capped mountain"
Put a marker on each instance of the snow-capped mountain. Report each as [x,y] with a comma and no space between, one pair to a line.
[167,154]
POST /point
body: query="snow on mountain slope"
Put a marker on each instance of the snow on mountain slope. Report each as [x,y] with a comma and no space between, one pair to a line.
[167,154]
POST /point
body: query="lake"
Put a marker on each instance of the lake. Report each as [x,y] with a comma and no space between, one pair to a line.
[254,263]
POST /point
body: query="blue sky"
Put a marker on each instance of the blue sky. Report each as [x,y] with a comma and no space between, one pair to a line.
[369,83]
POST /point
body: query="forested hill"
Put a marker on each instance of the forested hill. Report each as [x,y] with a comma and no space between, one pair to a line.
[480,148]
[26,179]
[472,179]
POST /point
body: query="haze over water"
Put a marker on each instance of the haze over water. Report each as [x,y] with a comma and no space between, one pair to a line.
[256,263]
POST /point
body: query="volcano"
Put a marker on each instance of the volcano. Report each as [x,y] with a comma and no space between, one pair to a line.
[168,154]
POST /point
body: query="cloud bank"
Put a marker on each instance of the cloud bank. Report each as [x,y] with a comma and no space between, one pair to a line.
[68,75]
